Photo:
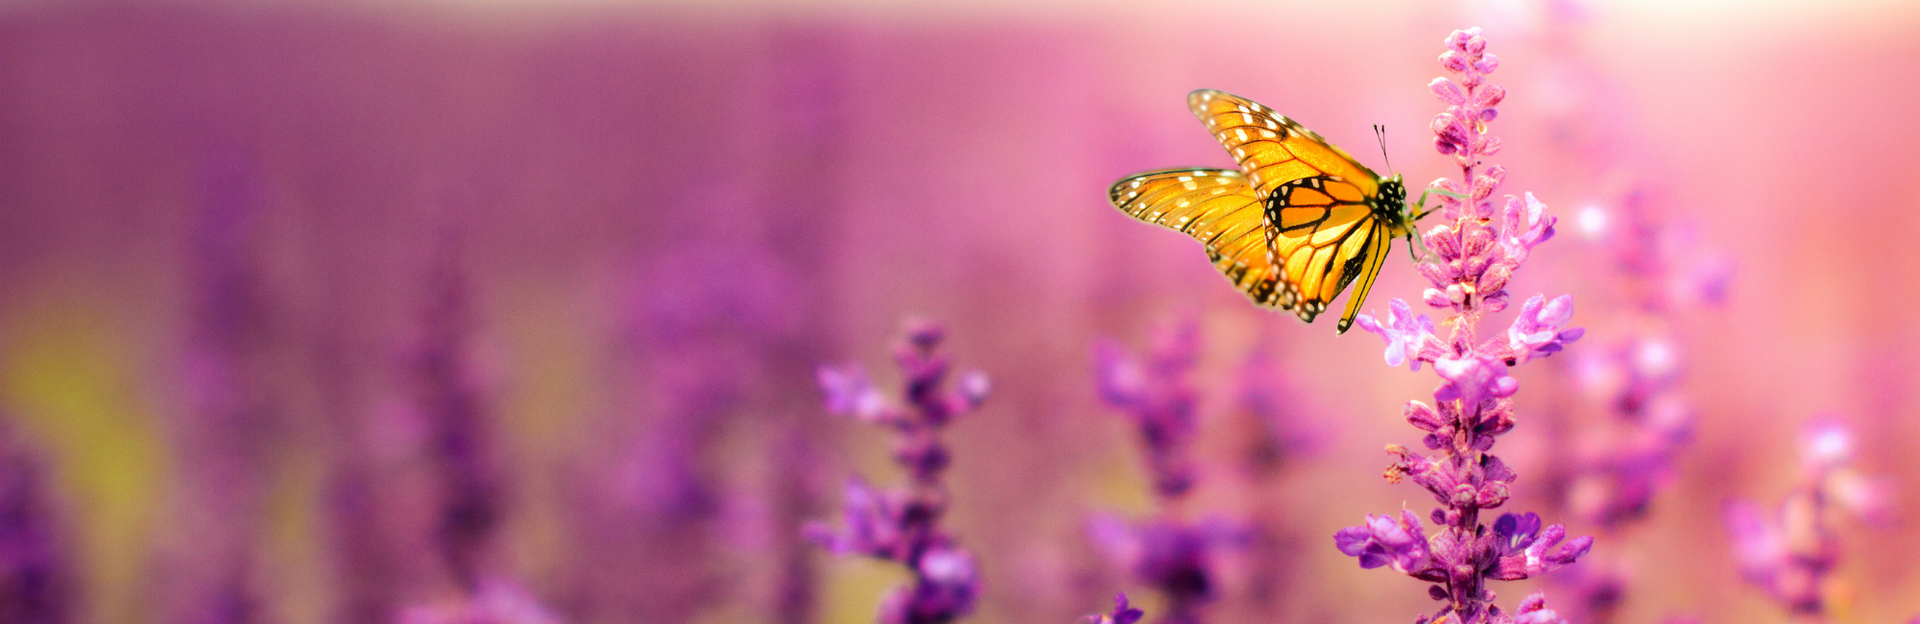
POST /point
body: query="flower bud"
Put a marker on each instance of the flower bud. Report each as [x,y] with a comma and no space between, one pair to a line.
[1447,91]
[1488,97]
[1487,64]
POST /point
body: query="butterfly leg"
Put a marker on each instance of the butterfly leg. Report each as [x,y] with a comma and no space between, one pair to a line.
[1422,203]
[1417,246]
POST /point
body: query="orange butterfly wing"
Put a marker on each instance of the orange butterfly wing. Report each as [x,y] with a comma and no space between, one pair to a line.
[1327,237]
[1273,150]
[1215,207]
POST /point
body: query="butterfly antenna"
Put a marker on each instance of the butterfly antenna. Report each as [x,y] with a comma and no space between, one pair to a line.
[1380,132]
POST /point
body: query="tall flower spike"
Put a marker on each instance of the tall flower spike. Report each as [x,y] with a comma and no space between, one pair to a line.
[904,525]
[1170,553]
[1469,270]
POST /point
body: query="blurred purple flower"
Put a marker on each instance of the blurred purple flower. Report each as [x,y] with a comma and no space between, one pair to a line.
[36,579]
[1762,553]
[1157,395]
[1155,391]
[1790,552]
[849,392]
[493,601]
[872,525]
[1174,557]
[1121,613]
[1265,392]
[904,525]
[451,397]
[226,428]
[946,584]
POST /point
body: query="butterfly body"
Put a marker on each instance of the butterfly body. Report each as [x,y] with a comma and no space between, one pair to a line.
[1293,226]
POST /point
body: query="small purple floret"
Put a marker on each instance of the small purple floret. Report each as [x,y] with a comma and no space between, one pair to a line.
[1405,333]
[1474,378]
[1384,540]
[1540,329]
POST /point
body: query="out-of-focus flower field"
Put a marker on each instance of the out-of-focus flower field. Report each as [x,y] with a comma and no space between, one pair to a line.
[509,312]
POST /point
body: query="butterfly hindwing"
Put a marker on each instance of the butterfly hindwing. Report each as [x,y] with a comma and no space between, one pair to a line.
[1215,207]
[1323,232]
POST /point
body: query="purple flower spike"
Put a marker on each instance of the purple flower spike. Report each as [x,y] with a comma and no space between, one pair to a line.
[1405,334]
[1153,389]
[903,525]
[1474,257]
[1538,330]
[1384,541]
[1158,397]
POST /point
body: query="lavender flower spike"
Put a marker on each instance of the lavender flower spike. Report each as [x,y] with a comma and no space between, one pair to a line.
[1469,270]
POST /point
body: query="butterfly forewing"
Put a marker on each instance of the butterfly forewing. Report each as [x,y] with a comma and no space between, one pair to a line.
[1215,207]
[1272,149]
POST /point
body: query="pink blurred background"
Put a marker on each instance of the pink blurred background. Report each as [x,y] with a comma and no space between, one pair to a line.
[650,198]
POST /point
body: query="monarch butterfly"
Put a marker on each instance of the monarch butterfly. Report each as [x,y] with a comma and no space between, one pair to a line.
[1297,223]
